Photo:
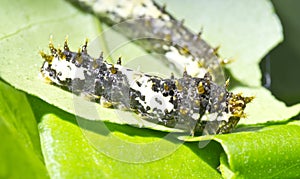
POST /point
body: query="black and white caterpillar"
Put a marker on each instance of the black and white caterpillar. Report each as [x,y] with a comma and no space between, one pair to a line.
[156,30]
[190,103]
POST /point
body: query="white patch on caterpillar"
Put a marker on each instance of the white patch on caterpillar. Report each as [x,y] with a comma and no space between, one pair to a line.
[130,74]
[64,70]
[124,9]
[216,116]
[181,62]
[67,70]
[152,99]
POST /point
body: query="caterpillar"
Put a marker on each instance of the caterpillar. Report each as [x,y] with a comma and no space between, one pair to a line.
[189,103]
[159,32]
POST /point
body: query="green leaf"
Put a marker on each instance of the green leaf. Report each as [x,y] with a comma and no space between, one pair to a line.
[69,154]
[269,152]
[20,149]
[272,152]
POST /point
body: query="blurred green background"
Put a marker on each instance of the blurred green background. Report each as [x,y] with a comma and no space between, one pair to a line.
[284,60]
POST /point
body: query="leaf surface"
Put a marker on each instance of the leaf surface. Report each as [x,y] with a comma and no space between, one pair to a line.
[69,154]
[20,152]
